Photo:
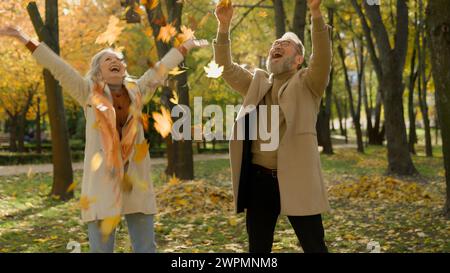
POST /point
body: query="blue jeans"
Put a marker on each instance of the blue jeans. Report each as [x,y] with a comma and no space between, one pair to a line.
[140,228]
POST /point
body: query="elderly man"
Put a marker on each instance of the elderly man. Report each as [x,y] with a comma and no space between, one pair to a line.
[287,180]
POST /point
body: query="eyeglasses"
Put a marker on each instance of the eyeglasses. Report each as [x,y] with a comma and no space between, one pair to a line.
[286,43]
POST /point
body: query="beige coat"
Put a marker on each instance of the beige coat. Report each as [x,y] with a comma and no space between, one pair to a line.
[96,185]
[302,189]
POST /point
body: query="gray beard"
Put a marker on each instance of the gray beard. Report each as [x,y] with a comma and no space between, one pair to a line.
[280,67]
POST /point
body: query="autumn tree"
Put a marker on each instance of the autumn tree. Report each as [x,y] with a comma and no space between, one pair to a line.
[438,29]
[48,32]
[390,63]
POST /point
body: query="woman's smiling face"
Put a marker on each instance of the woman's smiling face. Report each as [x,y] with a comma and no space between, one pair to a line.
[112,68]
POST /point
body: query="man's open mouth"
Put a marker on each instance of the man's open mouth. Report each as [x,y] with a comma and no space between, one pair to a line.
[277,55]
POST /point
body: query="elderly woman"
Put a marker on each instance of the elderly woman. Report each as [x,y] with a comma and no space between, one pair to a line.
[116,176]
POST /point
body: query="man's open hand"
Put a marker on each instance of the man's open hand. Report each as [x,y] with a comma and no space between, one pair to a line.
[314,7]
[224,13]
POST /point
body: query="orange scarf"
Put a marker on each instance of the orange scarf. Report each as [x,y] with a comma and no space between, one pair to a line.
[105,116]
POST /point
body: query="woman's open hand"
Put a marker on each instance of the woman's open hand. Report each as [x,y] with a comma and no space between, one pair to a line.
[15,32]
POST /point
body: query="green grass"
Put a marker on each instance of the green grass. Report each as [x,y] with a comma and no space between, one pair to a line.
[30,221]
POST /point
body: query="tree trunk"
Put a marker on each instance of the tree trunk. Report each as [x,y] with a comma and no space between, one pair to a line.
[12,133]
[339,113]
[299,21]
[438,24]
[179,153]
[62,164]
[392,61]
[412,82]
[424,81]
[280,18]
[353,112]
[38,127]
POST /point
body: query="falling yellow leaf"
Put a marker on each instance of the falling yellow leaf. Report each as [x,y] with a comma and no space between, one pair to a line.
[108,225]
[96,161]
[113,30]
[126,184]
[176,71]
[163,122]
[203,20]
[95,125]
[148,31]
[262,14]
[150,4]
[166,33]
[85,202]
[144,119]
[72,186]
[213,70]
[186,34]
[30,172]
[139,10]
[175,99]
[141,151]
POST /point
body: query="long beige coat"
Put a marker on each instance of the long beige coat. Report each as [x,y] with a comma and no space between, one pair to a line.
[97,187]
[302,189]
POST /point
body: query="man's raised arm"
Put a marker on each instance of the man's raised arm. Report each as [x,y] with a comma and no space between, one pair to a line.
[237,77]
[319,67]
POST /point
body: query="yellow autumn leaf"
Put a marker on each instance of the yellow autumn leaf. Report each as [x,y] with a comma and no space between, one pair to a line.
[108,225]
[144,119]
[166,33]
[174,180]
[232,221]
[113,30]
[163,122]
[186,34]
[175,99]
[148,31]
[181,202]
[262,14]
[72,186]
[30,172]
[139,10]
[176,71]
[213,70]
[141,150]
[96,161]
[85,202]
[126,184]
[151,4]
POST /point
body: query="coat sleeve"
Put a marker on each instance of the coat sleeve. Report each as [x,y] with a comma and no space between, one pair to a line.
[69,78]
[236,76]
[156,75]
[318,71]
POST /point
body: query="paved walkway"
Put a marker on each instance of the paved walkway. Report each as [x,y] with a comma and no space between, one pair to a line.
[47,168]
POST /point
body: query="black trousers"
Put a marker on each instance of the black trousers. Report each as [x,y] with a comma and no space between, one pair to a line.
[263,209]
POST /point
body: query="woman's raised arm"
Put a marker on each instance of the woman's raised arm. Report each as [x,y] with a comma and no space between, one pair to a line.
[69,78]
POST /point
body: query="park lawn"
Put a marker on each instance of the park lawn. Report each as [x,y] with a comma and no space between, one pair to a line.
[402,215]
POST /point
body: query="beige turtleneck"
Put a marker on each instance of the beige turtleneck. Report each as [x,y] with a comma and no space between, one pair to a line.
[268,159]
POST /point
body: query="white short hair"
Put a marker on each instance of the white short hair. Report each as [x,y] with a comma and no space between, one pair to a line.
[94,72]
[294,38]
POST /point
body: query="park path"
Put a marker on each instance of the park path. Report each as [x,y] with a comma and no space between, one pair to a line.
[48,168]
